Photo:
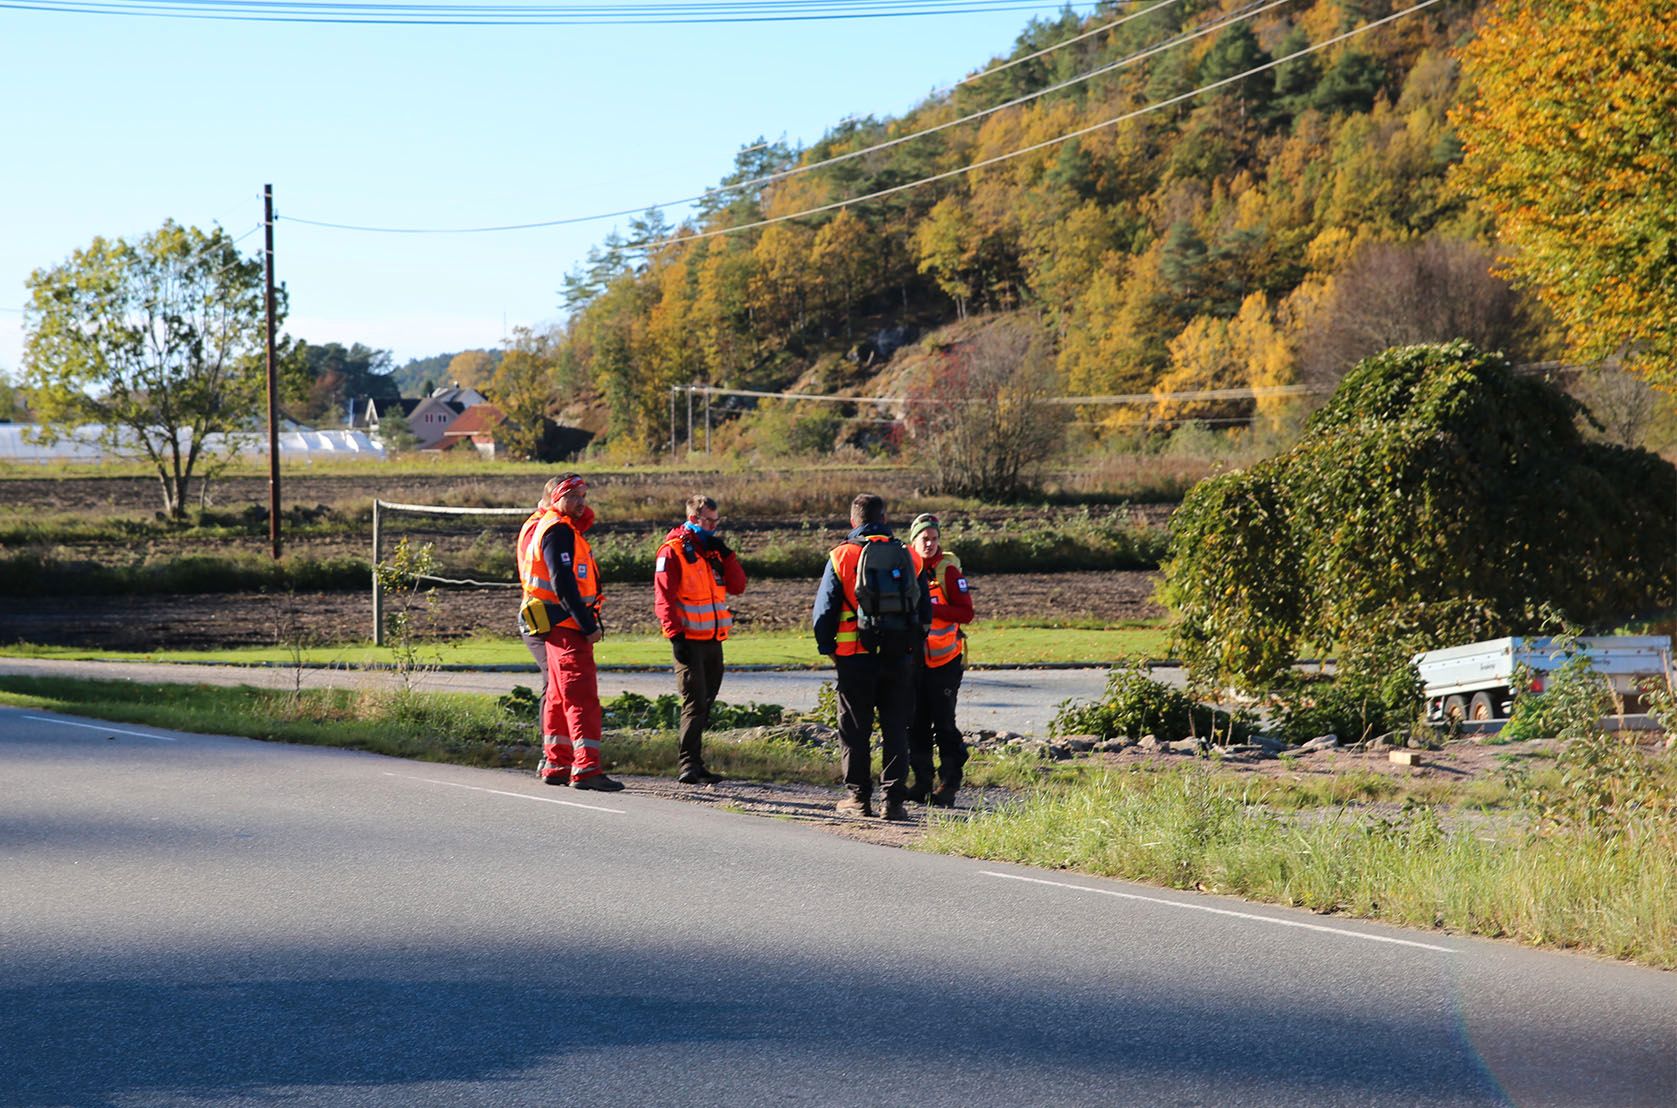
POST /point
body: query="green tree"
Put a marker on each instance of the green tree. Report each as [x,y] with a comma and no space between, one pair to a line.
[158,343]
[1438,497]
[11,402]
[1570,144]
[321,378]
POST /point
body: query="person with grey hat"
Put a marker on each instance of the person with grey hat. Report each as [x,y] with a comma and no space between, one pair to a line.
[939,668]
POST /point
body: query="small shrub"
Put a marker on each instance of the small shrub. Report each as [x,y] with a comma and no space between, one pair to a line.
[1135,705]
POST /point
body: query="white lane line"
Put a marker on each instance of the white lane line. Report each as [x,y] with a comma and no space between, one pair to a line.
[101,727]
[1223,912]
[515,796]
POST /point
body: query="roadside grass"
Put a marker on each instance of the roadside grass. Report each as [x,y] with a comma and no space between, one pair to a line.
[1195,829]
[1304,844]
[458,728]
[1002,643]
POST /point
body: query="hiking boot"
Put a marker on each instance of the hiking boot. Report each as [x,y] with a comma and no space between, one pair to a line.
[598,783]
[711,778]
[918,793]
[894,811]
[699,777]
[853,806]
[945,796]
[551,774]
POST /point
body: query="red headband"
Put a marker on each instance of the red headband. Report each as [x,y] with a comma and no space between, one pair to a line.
[570,484]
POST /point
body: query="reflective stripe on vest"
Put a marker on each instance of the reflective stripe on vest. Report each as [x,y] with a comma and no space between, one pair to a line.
[533,575]
[844,558]
[944,643]
[701,600]
[537,577]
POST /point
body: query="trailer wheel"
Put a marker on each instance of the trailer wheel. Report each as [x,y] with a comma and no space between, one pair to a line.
[1482,707]
[1455,708]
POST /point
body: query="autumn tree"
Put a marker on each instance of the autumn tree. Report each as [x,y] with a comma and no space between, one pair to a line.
[471,368]
[522,387]
[985,417]
[1401,293]
[1568,140]
[158,344]
[843,257]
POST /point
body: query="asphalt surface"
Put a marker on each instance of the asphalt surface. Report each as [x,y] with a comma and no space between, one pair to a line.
[1020,700]
[196,919]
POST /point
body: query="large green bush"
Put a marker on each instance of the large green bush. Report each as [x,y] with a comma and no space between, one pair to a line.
[1438,497]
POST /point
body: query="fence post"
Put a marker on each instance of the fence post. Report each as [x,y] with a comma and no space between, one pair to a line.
[378,558]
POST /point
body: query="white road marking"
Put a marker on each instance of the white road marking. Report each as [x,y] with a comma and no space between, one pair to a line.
[516,796]
[101,727]
[1223,912]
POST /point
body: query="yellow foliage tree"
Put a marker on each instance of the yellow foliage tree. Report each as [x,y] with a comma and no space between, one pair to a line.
[1569,143]
[1248,351]
[842,258]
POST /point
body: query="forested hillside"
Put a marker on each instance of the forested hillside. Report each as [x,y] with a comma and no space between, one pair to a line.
[1267,231]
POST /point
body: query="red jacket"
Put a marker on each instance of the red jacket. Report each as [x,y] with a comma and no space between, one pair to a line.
[666,577]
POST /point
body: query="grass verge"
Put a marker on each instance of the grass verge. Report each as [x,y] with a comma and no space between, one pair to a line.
[459,728]
[1000,643]
[1609,894]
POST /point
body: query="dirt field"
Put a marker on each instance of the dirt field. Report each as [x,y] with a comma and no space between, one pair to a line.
[156,622]
[330,516]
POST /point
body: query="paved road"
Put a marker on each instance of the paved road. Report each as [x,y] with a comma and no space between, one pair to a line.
[1002,699]
[195,919]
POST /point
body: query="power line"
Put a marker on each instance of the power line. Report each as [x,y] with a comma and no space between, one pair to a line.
[1034,147]
[1062,44]
[735,11]
[1252,11]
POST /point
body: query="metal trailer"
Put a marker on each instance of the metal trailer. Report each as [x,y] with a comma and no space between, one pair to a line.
[1477,681]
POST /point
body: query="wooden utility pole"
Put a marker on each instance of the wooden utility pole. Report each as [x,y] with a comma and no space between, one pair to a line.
[273,372]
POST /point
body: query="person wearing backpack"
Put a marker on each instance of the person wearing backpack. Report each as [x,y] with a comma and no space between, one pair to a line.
[870,617]
[938,674]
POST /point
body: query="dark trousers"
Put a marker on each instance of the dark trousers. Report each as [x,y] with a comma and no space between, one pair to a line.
[936,690]
[698,676]
[869,683]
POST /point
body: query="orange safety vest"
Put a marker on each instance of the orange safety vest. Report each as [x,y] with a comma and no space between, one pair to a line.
[945,642]
[537,578]
[844,558]
[701,601]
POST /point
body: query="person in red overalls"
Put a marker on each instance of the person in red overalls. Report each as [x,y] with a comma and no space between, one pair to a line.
[692,579]
[938,675]
[534,643]
[557,567]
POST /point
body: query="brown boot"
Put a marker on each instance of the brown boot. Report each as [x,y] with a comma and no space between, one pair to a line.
[854,806]
[944,797]
[894,811]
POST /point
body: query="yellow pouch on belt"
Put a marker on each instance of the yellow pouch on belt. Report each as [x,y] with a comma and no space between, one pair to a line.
[532,617]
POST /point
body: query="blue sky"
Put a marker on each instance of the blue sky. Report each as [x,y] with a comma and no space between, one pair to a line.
[113,124]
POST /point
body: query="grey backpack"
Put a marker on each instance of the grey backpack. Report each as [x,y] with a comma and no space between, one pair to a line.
[888,597]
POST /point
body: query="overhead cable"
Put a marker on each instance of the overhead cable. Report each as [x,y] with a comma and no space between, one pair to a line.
[1147,109]
[1252,11]
[473,15]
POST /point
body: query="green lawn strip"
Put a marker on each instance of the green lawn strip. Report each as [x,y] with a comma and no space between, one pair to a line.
[1613,895]
[993,644]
